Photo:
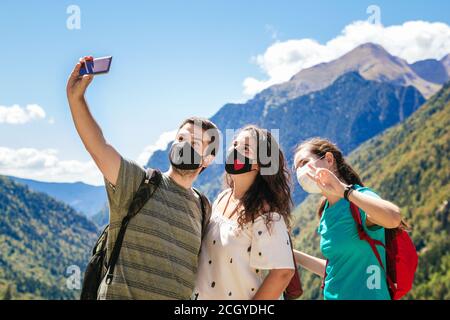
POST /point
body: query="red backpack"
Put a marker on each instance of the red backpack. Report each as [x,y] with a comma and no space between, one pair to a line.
[401,256]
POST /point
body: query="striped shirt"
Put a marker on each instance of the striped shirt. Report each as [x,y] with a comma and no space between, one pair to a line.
[159,255]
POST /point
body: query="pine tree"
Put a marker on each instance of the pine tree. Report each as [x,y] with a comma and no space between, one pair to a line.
[8,295]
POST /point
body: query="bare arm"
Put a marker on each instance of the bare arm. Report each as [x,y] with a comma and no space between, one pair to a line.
[274,284]
[104,155]
[313,264]
[379,212]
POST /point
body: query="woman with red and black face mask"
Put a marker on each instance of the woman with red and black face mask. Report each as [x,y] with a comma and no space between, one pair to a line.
[246,252]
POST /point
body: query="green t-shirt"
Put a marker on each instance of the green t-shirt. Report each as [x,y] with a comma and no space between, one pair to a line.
[159,255]
[353,272]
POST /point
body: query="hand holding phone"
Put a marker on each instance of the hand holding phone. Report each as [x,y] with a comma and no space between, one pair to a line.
[95,66]
[83,73]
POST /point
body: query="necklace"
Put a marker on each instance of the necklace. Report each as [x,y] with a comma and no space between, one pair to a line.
[226,207]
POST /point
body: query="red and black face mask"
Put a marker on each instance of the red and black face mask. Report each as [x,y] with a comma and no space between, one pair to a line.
[237,163]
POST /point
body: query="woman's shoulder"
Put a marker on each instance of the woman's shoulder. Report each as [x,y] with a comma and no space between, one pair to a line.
[270,224]
[220,196]
[223,192]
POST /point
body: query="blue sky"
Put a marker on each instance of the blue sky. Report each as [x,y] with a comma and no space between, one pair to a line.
[172,59]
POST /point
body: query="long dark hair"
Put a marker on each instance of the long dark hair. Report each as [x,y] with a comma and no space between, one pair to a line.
[268,193]
[345,173]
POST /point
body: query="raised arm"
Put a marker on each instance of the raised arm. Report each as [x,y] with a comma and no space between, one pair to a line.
[104,155]
[379,211]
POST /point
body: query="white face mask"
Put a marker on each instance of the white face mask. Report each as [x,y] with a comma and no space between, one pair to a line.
[308,184]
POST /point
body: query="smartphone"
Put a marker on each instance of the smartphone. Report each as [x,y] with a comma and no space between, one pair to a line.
[96,66]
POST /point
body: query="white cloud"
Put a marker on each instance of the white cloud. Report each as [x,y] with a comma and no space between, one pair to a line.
[412,41]
[45,165]
[18,115]
[160,144]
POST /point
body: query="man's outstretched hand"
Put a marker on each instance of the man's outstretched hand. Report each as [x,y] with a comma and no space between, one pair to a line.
[77,85]
[104,155]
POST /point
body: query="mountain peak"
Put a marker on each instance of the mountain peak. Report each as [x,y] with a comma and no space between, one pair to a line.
[376,48]
[369,51]
[446,63]
[372,62]
[432,70]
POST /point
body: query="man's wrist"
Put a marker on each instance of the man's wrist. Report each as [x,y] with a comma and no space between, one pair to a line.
[76,99]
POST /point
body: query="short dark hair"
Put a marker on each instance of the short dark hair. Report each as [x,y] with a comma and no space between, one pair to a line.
[206,126]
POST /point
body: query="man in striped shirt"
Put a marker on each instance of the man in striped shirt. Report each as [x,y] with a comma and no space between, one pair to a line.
[159,254]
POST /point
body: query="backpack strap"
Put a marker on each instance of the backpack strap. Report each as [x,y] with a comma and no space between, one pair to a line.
[294,289]
[145,191]
[372,242]
[363,234]
[206,210]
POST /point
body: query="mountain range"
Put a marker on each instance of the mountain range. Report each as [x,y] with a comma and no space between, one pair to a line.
[348,100]
[373,62]
[84,198]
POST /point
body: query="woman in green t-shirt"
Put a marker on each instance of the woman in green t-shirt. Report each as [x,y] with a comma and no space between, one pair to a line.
[351,270]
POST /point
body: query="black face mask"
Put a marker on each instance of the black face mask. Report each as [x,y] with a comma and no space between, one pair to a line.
[184,157]
[236,163]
